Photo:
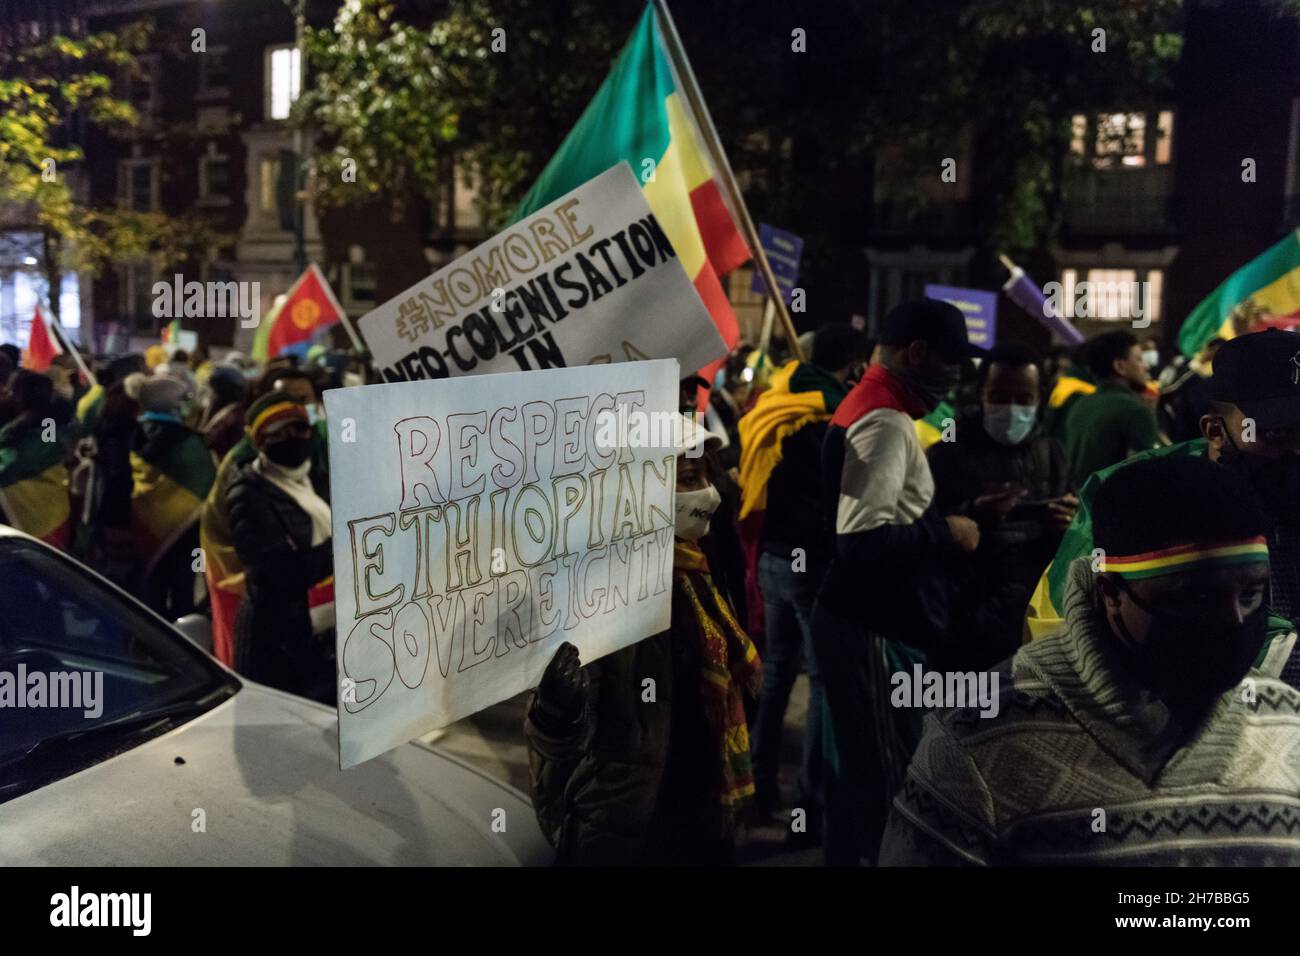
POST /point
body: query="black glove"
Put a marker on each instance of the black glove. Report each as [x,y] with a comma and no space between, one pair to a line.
[563,688]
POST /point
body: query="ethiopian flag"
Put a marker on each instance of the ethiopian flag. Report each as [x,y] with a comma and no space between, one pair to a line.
[170,480]
[640,114]
[1264,293]
[309,307]
[34,484]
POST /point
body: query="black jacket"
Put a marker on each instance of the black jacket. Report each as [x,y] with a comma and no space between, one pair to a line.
[633,781]
[992,587]
[273,636]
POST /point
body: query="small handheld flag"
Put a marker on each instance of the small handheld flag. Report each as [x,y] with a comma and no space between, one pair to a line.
[41,347]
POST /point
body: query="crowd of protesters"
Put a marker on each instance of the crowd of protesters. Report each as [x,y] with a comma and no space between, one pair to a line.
[1117,558]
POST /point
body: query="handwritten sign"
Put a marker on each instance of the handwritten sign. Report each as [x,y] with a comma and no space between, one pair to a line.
[481,521]
[590,278]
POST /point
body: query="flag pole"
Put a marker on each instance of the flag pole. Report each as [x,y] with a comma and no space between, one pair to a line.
[56,329]
[713,144]
[343,316]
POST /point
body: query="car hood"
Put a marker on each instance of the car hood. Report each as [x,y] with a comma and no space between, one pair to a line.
[256,782]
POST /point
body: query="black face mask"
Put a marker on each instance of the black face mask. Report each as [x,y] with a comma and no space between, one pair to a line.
[1277,480]
[1189,664]
[931,386]
[289,452]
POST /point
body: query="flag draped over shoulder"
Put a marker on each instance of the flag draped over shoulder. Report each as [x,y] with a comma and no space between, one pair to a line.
[799,394]
[170,480]
[640,114]
[1264,293]
[34,484]
[308,308]
[930,428]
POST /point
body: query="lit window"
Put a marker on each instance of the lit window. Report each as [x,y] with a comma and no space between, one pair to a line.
[1068,278]
[1121,139]
[1110,293]
[1164,137]
[283,80]
[1155,293]
[1079,134]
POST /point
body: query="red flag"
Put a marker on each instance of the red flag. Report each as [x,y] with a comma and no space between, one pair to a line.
[41,347]
[309,306]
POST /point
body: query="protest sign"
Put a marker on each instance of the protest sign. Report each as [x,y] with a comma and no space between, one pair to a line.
[481,521]
[978,307]
[589,278]
[784,250]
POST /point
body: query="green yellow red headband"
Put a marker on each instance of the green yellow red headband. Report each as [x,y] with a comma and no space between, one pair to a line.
[273,415]
[1187,557]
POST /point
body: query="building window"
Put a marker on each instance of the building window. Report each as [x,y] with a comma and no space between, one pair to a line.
[214,178]
[137,184]
[214,72]
[135,282]
[142,84]
[1113,295]
[359,285]
[1123,140]
[283,80]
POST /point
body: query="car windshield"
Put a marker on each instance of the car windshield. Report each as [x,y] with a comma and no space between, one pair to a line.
[84,672]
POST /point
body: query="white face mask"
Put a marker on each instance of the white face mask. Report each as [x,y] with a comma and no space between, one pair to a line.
[694,509]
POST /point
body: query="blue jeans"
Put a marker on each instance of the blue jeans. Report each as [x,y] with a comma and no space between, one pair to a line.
[788,597]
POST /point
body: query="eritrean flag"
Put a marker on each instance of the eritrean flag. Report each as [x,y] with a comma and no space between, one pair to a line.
[34,484]
[41,346]
[640,114]
[308,308]
[1264,293]
[169,484]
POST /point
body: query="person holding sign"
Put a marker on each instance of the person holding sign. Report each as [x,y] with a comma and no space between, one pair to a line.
[281,532]
[643,756]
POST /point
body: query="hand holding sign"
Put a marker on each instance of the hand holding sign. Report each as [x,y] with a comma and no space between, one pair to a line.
[480,522]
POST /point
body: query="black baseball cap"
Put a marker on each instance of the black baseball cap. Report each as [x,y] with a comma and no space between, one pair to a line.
[1259,372]
[939,323]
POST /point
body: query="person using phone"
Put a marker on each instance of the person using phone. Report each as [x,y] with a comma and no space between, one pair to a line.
[1004,472]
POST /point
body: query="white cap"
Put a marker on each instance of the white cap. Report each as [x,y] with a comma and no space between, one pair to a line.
[694,433]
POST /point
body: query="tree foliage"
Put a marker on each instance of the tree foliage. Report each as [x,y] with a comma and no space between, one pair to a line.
[48,92]
[907,81]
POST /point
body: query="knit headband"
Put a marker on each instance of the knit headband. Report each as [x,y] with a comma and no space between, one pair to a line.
[1186,557]
[275,414]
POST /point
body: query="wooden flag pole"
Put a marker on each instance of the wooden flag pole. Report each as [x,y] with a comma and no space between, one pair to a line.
[704,122]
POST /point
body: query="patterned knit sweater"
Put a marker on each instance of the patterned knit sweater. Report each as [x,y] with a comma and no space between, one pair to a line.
[1082,766]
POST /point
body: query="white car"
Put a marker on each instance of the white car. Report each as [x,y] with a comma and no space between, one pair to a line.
[189,764]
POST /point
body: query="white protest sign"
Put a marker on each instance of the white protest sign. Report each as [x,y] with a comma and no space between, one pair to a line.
[481,521]
[591,278]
